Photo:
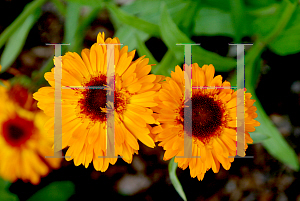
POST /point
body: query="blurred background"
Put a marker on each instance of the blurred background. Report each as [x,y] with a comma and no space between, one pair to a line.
[153,27]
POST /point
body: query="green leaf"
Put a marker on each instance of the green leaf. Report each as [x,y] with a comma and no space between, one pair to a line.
[258,137]
[264,11]
[133,21]
[182,12]
[166,65]
[82,28]
[173,177]
[266,23]
[145,7]
[224,5]
[28,10]
[127,34]
[17,40]
[143,50]
[200,56]
[288,42]
[238,16]
[5,194]
[213,21]
[58,191]
[92,3]
[71,22]
[259,3]
[276,145]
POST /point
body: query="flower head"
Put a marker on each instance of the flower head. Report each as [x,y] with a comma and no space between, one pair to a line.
[84,123]
[213,120]
[23,141]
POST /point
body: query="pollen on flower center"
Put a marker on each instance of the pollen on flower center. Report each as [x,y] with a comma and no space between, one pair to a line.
[93,104]
[17,131]
[207,117]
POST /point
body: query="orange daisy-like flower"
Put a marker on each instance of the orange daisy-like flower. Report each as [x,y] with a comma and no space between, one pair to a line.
[84,123]
[23,141]
[213,120]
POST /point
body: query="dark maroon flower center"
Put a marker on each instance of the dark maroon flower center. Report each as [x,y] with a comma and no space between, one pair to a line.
[206,117]
[17,131]
[94,100]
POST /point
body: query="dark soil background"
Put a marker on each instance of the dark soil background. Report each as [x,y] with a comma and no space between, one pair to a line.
[260,178]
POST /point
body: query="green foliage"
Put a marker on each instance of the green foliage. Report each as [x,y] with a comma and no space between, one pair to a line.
[58,191]
[92,3]
[200,56]
[17,40]
[174,179]
[267,23]
[213,21]
[4,192]
[288,42]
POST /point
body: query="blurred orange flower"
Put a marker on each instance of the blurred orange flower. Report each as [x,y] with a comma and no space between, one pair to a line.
[23,141]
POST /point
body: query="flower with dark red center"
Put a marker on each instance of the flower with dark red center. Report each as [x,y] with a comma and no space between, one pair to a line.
[214,113]
[84,109]
[23,141]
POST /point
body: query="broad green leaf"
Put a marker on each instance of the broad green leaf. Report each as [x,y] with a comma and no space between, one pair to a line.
[92,3]
[146,7]
[238,17]
[188,21]
[127,34]
[178,12]
[288,42]
[266,23]
[58,191]
[166,65]
[200,56]
[143,50]
[4,192]
[71,23]
[182,12]
[173,177]
[258,137]
[259,3]
[28,10]
[224,5]
[276,145]
[213,21]
[133,21]
[17,40]
[264,11]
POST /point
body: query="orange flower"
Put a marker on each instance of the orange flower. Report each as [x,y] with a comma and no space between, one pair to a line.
[84,123]
[213,120]
[23,141]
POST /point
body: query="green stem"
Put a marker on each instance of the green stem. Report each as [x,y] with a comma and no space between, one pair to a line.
[29,9]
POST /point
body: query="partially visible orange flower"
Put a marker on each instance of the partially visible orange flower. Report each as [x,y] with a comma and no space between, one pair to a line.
[84,123]
[213,120]
[23,141]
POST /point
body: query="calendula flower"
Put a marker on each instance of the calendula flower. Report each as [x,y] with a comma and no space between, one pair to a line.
[84,123]
[23,141]
[213,120]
